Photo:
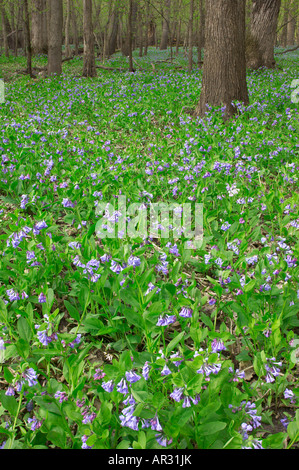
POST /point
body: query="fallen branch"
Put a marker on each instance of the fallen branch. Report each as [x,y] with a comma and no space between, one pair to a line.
[289,50]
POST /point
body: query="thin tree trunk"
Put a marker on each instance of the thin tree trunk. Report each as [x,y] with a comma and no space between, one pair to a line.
[131,69]
[39,37]
[89,63]
[4,30]
[28,38]
[291,26]
[201,32]
[262,36]
[165,27]
[284,33]
[224,69]
[190,33]
[75,29]
[67,29]
[55,37]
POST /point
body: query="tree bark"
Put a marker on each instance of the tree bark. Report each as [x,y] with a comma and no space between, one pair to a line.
[190,34]
[4,30]
[89,63]
[284,33]
[262,37]
[28,38]
[39,27]
[130,32]
[55,37]
[67,29]
[201,32]
[291,26]
[224,68]
[75,29]
[165,26]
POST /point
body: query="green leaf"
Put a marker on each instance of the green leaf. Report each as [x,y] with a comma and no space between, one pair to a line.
[174,342]
[24,329]
[9,403]
[73,312]
[210,428]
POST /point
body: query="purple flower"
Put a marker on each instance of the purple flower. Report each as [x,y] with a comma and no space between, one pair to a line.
[163,440]
[31,376]
[62,396]
[165,370]
[35,424]
[12,295]
[217,346]
[132,377]
[122,387]
[186,312]
[10,391]
[166,320]
[155,425]
[176,395]
[145,370]
[42,298]
[108,386]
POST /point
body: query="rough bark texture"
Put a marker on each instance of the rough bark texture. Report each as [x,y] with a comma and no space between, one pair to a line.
[262,36]
[55,37]
[89,63]
[224,69]
[39,27]
[165,27]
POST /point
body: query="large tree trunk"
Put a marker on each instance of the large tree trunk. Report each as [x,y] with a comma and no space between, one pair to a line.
[262,36]
[39,27]
[224,68]
[165,27]
[55,37]
[89,62]
[112,32]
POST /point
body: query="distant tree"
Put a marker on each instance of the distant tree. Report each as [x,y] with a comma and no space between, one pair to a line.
[165,27]
[262,35]
[89,64]
[55,37]
[4,28]
[224,67]
[28,38]
[39,27]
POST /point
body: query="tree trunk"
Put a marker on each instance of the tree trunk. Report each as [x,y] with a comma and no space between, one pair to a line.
[55,37]
[284,33]
[201,33]
[262,37]
[39,27]
[224,69]
[75,30]
[130,32]
[4,31]
[67,29]
[165,27]
[291,26]
[89,62]
[190,34]
[112,32]
[28,38]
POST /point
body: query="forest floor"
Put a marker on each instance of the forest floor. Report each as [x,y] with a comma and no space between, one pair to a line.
[113,336]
